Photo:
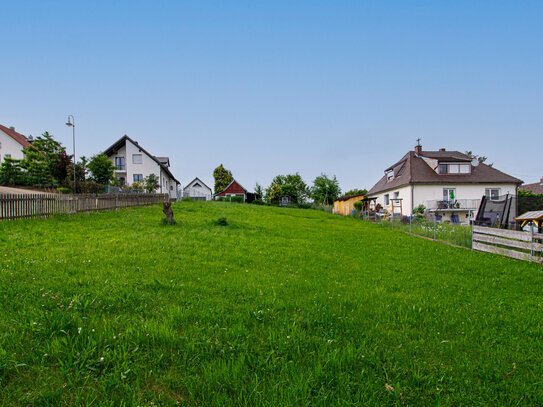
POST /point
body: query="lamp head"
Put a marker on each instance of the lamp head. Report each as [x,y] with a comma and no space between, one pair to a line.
[69,122]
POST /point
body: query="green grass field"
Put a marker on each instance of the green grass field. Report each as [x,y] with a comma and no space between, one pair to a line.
[280,307]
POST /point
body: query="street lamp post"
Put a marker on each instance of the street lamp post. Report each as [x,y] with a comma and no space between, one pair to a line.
[71,123]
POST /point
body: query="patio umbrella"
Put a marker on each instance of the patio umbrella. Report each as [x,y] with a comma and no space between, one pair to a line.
[452,193]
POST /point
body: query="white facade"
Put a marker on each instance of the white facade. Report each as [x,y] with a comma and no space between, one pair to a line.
[10,148]
[134,164]
[197,190]
[468,197]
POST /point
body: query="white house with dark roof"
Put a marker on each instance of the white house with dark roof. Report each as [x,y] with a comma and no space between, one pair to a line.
[12,144]
[448,181]
[197,190]
[133,163]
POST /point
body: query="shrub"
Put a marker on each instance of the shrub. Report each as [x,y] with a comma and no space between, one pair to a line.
[220,222]
[304,206]
[259,202]
[187,199]
[358,205]
[64,190]
[419,210]
[236,198]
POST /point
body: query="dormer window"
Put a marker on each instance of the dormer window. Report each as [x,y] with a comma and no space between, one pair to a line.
[454,168]
[389,175]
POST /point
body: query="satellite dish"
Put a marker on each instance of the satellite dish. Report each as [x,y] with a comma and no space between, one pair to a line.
[475,162]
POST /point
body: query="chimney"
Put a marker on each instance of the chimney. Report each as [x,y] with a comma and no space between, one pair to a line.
[541,180]
[441,149]
[418,147]
[12,128]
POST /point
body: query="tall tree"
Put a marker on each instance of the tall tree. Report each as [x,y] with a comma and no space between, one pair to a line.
[45,161]
[223,178]
[259,190]
[101,168]
[325,190]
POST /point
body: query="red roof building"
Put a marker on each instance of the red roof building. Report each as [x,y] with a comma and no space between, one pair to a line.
[234,189]
[12,144]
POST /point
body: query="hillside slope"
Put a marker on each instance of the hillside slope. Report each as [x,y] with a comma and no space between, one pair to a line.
[279,307]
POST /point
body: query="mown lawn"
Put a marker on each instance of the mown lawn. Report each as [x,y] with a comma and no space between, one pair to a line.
[280,307]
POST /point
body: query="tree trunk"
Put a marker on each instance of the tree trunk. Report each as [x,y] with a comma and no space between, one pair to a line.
[168,212]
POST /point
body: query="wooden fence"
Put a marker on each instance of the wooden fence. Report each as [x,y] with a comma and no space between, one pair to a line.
[18,206]
[511,243]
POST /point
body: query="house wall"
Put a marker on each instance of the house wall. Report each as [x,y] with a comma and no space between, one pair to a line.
[148,166]
[10,146]
[403,193]
[434,192]
[197,192]
[422,193]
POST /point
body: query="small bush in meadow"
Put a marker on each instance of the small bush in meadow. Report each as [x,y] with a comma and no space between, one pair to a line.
[259,202]
[220,222]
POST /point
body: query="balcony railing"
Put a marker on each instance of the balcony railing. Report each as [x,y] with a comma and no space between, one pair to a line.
[458,204]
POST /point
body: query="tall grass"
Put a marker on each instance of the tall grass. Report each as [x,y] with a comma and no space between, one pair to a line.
[277,307]
[459,235]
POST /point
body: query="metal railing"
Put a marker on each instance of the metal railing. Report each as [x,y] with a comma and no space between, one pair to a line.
[466,204]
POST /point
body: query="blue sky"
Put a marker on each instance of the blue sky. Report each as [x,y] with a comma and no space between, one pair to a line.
[265,88]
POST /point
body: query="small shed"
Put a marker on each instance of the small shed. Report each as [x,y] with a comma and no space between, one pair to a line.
[285,200]
[345,205]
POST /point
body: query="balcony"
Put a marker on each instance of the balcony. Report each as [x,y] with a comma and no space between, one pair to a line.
[453,205]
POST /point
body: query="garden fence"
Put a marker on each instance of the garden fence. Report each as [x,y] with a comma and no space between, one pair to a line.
[18,206]
[511,243]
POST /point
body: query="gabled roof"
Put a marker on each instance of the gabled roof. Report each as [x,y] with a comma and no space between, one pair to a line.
[122,141]
[18,137]
[234,181]
[164,160]
[200,181]
[412,169]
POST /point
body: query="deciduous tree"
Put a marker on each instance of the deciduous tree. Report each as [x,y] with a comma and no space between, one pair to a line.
[101,168]
[325,190]
[223,178]
[291,185]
